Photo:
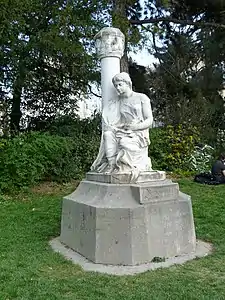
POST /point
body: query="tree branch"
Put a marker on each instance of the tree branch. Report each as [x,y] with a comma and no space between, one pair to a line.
[93,93]
[176,21]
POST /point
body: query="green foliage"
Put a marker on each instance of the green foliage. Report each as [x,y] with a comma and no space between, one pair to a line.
[181,173]
[171,146]
[220,142]
[159,148]
[84,133]
[72,127]
[30,158]
[122,11]
[201,159]
[27,159]
[139,77]
[70,146]
[185,88]
[182,140]
[2,143]
[46,54]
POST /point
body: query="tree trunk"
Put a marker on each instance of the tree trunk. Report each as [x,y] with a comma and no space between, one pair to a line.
[118,21]
[16,113]
[124,66]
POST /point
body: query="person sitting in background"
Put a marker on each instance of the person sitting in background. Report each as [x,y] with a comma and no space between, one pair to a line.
[218,169]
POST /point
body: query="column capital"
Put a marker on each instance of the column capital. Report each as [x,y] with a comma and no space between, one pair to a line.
[110,42]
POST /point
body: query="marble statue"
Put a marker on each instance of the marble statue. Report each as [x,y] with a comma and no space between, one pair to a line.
[124,214]
[126,122]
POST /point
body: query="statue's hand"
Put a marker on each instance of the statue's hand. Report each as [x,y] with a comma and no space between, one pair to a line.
[123,128]
[131,127]
[120,126]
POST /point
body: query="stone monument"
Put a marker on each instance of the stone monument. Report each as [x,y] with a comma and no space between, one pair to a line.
[123,212]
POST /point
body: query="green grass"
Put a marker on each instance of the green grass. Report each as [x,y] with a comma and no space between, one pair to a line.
[30,270]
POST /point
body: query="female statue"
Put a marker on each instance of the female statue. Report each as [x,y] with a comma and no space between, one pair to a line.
[126,123]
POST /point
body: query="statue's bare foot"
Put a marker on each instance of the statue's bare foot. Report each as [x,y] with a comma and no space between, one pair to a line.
[116,171]
[110,169]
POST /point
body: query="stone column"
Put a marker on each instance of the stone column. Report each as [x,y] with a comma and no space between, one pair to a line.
[110,48]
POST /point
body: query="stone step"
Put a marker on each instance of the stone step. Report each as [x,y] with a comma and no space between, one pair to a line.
[123,178]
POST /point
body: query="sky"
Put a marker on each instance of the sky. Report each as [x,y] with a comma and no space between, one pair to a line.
[144,58]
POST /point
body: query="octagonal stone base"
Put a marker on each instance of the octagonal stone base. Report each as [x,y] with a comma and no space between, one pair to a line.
[128,224]
[202,249]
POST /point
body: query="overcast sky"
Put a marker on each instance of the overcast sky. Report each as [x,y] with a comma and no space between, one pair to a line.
[144,58]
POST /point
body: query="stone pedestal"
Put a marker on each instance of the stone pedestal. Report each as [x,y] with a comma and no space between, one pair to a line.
[128,224]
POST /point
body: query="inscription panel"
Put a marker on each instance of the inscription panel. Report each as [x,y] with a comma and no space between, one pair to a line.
[159,193]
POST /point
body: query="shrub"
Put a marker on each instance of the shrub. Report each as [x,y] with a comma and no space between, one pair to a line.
[68,126]
[171,146]
[70,147]
[159,148]
[181,140]
[3,142]
[201,159]
[220,142]
[86,134]
[29,158]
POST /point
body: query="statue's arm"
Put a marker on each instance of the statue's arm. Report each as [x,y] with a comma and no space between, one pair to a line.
[147,115]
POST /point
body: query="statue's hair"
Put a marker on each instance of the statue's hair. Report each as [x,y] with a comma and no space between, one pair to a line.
[122,77]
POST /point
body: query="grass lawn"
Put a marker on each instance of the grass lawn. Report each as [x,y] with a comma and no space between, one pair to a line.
[30,270]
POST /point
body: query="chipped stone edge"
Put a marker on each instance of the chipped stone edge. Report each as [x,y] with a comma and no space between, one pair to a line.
[202,249]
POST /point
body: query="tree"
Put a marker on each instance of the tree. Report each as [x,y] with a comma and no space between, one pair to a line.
[46,48]
[140,78]
[186,83]
[202,13]
[160,16]
[121,13]
[184,89]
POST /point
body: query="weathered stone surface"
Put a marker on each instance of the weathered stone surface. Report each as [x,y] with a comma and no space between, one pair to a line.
[126,224]
[155,191]
[123,178]
[202,249]
[110,43]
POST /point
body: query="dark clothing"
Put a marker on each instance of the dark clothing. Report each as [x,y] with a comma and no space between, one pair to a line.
[206,178]
[217,171]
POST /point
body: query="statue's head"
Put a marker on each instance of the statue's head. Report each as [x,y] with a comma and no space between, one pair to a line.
[122,77]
